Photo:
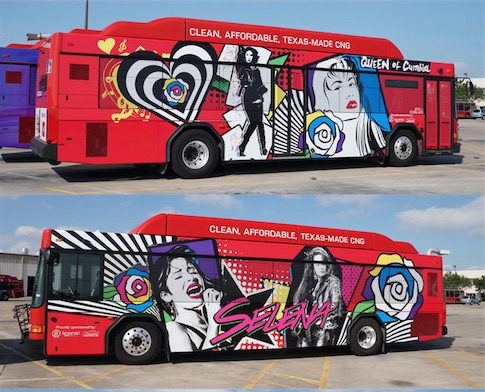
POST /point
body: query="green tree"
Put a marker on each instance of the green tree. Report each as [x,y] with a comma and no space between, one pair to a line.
[455,281]
[462,94]
[479,283]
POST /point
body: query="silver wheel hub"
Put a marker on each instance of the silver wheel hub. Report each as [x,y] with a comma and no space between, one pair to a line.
[403,147]
[367,337]
[195,154]
[136,341]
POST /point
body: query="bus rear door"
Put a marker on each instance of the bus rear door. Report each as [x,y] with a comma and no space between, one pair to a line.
[439,115]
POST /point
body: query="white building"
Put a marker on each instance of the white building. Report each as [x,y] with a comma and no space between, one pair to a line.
[470,274]
[480,83]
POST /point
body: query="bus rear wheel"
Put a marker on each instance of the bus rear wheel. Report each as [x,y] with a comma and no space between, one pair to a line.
[403,148]
[137,343]
[366,337]
[194,154]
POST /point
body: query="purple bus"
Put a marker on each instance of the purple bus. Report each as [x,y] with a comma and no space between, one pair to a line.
[18,67]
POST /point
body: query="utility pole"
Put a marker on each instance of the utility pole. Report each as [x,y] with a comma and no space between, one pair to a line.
[86,14]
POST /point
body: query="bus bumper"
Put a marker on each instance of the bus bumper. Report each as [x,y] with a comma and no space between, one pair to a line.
[444,330]
[43,149]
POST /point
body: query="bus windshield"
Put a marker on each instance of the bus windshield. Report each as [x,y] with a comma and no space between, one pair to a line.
[38,295]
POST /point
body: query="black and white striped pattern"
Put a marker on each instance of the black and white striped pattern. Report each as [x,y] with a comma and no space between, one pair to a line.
[286,131]
[121,251]
[399,331]
[142,74]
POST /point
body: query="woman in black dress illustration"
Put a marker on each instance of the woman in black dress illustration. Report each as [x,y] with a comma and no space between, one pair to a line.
[252,90]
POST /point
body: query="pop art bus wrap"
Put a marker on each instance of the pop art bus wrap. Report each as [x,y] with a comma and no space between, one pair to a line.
[18,67]
[192,284]
[193,93]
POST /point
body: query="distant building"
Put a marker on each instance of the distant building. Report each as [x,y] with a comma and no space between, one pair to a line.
[479,83]
[470,274]
[22,266]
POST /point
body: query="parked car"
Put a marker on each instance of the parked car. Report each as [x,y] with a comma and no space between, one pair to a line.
[468,299]
[477,113]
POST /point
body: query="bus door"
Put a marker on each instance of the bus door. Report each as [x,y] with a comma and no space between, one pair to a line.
[439,115]
[15,97]
[14,86]
[288,113]
[72,282]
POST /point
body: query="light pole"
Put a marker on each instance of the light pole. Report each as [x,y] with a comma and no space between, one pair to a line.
[454,266]
[86,15]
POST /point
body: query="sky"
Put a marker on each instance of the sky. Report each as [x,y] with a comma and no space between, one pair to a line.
[448,222]
[429,30]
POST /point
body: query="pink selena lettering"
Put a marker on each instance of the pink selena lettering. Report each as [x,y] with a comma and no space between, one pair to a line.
[265,318]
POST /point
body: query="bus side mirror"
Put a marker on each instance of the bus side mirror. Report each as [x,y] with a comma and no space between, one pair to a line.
[52,257]
[470,88]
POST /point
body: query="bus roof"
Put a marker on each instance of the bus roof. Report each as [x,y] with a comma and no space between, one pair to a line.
[18,54]
[244,230]
[183,29]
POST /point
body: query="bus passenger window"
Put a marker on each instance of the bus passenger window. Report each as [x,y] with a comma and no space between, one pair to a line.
[432,284]
[79,72]
[12,77]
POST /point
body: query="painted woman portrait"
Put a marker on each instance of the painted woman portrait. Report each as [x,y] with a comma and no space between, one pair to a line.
[187,297]
[352,106]
[321,283]
[252,91]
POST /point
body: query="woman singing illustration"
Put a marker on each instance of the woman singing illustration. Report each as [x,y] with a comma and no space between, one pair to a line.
[188,296]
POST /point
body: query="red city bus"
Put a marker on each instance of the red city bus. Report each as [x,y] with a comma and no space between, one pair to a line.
[464,109]
[181,283]
[191,93]
[11,287]
[453,296]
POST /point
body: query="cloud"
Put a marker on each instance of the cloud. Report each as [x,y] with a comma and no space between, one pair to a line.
[224,201]
[469,217]
[23,237]
[163,210]
[350,200]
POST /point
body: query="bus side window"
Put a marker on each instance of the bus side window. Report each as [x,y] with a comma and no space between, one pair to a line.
[75,275]
[433,284]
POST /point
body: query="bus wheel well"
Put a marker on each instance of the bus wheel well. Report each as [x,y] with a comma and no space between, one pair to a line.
[136,340]
[367,335]
[195,151]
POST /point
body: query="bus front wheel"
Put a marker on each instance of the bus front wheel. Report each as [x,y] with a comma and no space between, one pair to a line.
[403,148]
[194,154]
[366,337]
[137,343]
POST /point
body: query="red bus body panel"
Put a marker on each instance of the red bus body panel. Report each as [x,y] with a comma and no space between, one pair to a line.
[92,111]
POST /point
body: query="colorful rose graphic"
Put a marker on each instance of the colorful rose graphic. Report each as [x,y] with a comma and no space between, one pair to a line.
[393,291]
[397,290]
[175,91]
[324,136]
[133,289]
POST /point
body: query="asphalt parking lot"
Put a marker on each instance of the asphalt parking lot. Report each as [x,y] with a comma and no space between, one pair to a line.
[455,361]
[21,172]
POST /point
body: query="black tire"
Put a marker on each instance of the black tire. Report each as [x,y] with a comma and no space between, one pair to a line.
[403,148]
[194,154]
[4,296]
[53,162]
[366,337]
[137,343]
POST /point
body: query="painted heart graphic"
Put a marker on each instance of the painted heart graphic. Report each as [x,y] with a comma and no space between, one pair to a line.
[106,45]
[172,89]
